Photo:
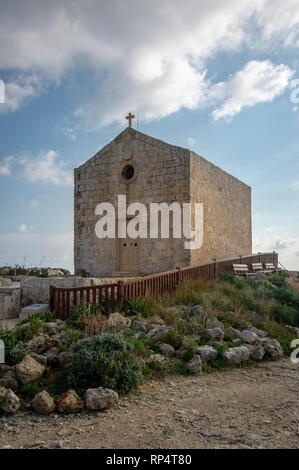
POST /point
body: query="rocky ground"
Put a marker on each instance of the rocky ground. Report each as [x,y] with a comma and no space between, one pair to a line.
[240,408]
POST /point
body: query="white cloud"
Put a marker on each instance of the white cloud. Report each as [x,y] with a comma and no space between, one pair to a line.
[5,166]
[286,246]
[23,228]
[46,168]
[151,57]
[19,91]
[295,185]
[257,82]
[191,141]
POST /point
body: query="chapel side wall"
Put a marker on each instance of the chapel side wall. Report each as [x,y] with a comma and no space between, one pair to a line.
[227,229]
[163,175]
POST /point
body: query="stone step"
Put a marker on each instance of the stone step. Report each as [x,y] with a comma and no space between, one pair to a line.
[30,310]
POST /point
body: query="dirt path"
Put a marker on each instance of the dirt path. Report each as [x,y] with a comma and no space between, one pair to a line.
[253,408]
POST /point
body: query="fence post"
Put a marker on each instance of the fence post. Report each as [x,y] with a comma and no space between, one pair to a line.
[120,291]
[215,268]
[240,256]
[179,277]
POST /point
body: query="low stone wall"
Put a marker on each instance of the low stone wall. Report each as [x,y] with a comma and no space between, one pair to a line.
[35,290]
[10,301]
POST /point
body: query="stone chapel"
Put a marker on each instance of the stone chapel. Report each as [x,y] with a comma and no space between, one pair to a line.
[148,170]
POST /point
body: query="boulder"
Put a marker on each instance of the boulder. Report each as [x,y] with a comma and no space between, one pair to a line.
[10,380]
[139,324]
[259,333]
[214,323]
[39,358]
[233,332]
[157,320]
[52,356]
[69,402]
[207,353]
[272,347]
[166,349]
[29,370]
[65,358]
[249,336]
[43,403]
[9,402]
[237,341]
[194,366]
[256,350]
[115,323]
[98,399]
[181,353]
[294,330]
[236,355]
[216,334]
[4,369]
[197,311]
[157,358]
[42,343]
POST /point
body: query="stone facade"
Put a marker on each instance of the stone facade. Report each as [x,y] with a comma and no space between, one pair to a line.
[161,173]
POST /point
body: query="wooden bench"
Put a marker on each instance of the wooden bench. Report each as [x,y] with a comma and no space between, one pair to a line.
[270,267]
[240,269]
[257,267]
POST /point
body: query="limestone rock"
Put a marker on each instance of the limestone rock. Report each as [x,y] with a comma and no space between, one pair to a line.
[236,355]
[197,311]
[157,320]
[181,353]
[207,353]
[256,350]
[233,332]
[115,323]
[29,370]
[43,403]
[194,366]
[42,343]
[39,358]
[65,358]
[139,324]
[214,323]
[216,334]
[4,369]
[69,402]
[294,330]
[259,333]
[98,399]
[272,347]
[158,358]
[9,402]
[166,349]
[9,380]
[249,336]
[52,356]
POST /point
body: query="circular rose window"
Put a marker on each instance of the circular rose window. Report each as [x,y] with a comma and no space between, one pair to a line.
[128,172]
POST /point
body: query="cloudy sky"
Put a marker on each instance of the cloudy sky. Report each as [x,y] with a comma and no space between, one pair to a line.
[218,76]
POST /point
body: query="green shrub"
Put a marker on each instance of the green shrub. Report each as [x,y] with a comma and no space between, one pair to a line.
[14,353]
[173,366]
[285,314]
[29,390]
[108,360]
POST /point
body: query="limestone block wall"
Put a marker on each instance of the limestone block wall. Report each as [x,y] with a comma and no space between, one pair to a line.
[35,290]
[10,301]
[226,208]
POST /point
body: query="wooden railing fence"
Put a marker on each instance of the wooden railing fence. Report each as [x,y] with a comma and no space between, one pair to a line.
[109,297]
